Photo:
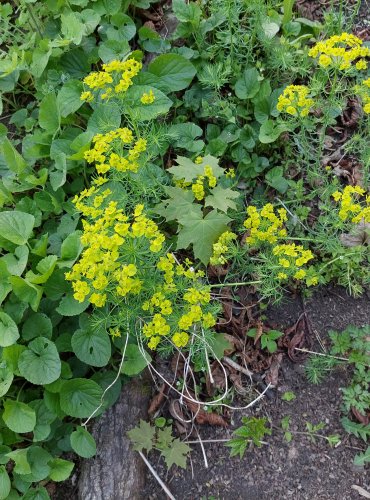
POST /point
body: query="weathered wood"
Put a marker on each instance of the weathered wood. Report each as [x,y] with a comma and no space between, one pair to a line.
[117,472]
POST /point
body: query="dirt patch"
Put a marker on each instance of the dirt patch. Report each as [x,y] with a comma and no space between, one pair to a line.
[301,469]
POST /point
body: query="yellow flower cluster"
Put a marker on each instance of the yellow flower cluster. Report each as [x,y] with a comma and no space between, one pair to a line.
[196,297]
[349,207]
[220,248]
[104,151]
[102,265]
[363,91]
[148,98]
[340,51]
[265,224]
[115,79]
[292,257]
[294,100]
[198,187]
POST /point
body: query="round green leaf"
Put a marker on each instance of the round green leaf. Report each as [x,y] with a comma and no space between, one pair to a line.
[8,330]
[19,417]
[60,469]
[40,362]
[6,378]
[38,459]
[16,226]
[37,325]
[93,347]
[80,397]
[36,494]
[143,112]
[4,483]
[68,306]
[134,361]
[83,443]
[174,72]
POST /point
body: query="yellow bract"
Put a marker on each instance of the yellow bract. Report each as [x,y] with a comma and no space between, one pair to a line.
[363,91]
[294,100]
[220,248]
[115,79]
[349,207]
[341,51]
[104,153]
[265,224]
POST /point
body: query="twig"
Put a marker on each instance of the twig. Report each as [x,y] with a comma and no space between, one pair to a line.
[155,475]
[321,354]
[217,441]
[236,366]
[203,450]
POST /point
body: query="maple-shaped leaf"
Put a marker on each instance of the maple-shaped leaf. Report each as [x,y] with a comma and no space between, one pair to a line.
[176,454]
[222,199]
[142,436]
[180,202]
[164,438]
[188,170]
[201,232]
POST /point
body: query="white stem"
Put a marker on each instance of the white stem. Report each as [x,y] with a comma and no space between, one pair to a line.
[155,475]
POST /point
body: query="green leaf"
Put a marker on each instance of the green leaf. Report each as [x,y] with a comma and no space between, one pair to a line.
[359,430]
[134,361]
[185,135]
[219,344]
[16,226]
[60,469]
[248,85]
[69,306]
[5,484]
[40,59]
[9,333]
[19,417]
[276,179]
[80,397]
[105,117]
[45,267]
[16,262]
[110,50]
[222,199]
[36,494]
[83,443]
[144,112]
[270,131]
[49,114]
[186,11]
[173,72]
[93,347]
[201,232]
[6,378]
[180,202]
[362,458]
[38,459]
[72,28]
[26,292]
[142,436]
[71,249]
[188,170]
[176,454]
[288,396]
[14,161]
[21,461]
[37,325]
[40,363]
[270,28]
[69,97]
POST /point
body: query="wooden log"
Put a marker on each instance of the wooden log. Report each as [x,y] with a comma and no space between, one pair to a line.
[117,472]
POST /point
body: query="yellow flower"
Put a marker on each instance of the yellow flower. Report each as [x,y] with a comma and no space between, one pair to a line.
[148,98]
[282,276]
[180,339]
[294,100]
[87,96]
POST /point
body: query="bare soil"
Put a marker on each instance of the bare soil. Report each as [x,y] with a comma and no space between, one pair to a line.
[300,469]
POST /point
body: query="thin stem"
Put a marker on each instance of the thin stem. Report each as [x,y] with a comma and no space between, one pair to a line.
[220,285]
[155,475]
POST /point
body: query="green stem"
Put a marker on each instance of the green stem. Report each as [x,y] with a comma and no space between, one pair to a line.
[220,285]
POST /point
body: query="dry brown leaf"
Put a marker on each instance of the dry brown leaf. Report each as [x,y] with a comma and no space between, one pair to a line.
[203,417]
[272,375]
[359,236]
[158,399]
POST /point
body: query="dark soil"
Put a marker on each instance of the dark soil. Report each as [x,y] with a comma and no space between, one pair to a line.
[300,469]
